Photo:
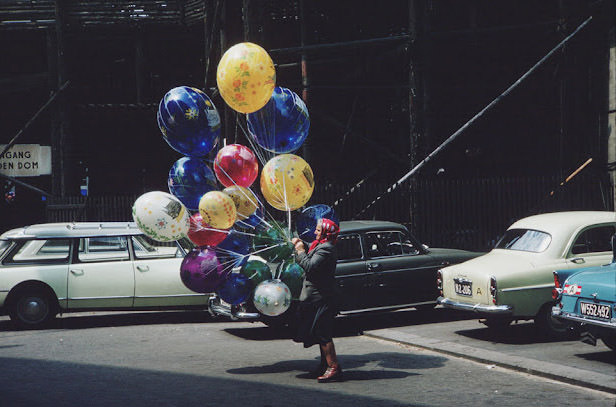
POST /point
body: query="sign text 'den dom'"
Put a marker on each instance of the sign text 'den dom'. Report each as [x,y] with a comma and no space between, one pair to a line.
[25,160]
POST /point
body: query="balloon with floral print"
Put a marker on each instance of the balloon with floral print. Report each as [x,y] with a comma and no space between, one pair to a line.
[246,77]
[161,216]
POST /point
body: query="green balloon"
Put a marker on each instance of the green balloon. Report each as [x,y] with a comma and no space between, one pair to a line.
[292,274]
[272,244]
[256,271]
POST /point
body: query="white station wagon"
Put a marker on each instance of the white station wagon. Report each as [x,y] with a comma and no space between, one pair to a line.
[514,281]
[52,268]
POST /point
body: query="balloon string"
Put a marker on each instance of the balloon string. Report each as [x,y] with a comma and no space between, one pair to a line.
[260,204]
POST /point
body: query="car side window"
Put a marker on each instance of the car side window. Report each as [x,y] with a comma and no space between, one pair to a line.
[103,248]
[146,248]
[42,251]
[594,240]
[349,247]
[389,243]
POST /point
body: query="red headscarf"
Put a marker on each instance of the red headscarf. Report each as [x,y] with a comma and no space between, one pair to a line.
[329,232]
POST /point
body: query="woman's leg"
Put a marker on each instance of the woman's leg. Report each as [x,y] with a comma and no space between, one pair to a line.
[329,351]
[333,372]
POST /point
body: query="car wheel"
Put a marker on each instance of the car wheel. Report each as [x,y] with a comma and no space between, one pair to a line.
[32,308]
[609,341]
[551,326]
[497,322]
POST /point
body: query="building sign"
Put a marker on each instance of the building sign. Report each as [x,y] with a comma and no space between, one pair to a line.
[25,160]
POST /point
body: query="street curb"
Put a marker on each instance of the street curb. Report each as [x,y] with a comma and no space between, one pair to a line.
[578,377]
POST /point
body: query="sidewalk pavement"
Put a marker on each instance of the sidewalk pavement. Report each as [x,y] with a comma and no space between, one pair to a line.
[604,380]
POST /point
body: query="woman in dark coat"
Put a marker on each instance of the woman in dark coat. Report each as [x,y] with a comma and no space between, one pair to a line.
[319,298]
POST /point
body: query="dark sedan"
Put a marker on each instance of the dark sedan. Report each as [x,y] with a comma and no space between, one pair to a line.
[381,266]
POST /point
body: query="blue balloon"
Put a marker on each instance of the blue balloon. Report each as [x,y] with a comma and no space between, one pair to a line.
[307,220]
[282,125]
[189,179]
[189,121]
[234,250]
[235,289]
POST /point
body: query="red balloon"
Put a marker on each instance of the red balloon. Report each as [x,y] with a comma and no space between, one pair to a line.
[202,235]
[236,164]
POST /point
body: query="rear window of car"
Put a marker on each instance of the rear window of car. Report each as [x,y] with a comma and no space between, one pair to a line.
[42,251]
[348,247]
[526,240]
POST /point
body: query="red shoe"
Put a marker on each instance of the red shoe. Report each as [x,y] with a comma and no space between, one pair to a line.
[318,371]
[332,374]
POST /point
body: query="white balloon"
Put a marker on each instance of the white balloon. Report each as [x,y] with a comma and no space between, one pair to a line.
[272,297]
[161,216]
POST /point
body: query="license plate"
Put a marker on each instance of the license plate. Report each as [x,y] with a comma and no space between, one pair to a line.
[596,310]
[463,288]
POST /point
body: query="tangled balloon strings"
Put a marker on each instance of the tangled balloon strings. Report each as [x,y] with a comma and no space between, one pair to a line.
[233,224]
[285,233]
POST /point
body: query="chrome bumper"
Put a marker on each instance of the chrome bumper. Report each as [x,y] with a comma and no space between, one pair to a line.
[567,316]
[479,308]
[217,309]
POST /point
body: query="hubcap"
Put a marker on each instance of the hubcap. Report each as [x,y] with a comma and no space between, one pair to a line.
[33,309]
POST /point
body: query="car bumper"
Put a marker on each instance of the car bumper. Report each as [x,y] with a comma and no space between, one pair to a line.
[479,308]
[217,308]
[557,312]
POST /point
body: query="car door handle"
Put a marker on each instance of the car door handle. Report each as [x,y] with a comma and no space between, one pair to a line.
[77,272]
[578,260]
[374,266]
[143,268]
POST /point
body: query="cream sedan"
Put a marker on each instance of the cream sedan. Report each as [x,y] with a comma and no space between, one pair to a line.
[53,268]
[514,281]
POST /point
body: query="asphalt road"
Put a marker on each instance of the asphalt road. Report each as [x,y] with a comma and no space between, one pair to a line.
[185,359]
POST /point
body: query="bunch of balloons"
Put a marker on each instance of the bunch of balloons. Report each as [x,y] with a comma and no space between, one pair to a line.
[240,251]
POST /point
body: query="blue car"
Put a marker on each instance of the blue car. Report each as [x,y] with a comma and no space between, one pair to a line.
[586,299]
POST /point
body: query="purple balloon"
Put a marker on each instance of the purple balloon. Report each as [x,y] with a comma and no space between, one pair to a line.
[201,271]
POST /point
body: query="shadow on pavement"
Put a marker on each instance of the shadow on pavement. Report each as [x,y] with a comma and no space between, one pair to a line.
[350,325]
[515,334]
[608,356]
[104,319]
[387,365]
[55,384]
[353,325]
[346,325]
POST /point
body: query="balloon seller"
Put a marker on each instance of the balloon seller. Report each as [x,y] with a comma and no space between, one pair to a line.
[319,298]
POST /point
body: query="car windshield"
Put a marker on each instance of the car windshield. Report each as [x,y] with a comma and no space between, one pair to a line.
[527,240]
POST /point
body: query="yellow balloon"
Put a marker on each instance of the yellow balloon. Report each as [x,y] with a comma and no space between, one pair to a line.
[287,182]
[246,77]
[244,199]
[217,210]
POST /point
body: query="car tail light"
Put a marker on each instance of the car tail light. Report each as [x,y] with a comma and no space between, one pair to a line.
[493,288]
[439,282]
[557,290]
